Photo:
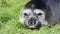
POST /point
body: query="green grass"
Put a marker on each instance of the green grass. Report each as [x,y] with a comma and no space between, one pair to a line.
[9,19]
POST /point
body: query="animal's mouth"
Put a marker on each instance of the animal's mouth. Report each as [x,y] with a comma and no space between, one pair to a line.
[35,24]
[32,22]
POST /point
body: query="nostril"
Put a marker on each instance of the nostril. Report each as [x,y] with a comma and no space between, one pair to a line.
[32,22]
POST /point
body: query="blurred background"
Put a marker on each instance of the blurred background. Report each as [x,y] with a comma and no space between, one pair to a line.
[9,19]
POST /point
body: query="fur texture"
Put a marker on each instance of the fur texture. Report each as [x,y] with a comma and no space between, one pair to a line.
[50,10]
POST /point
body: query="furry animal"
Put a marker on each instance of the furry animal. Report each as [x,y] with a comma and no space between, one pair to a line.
[38,12]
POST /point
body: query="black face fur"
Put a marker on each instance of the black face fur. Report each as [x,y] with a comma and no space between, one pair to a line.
[49,9]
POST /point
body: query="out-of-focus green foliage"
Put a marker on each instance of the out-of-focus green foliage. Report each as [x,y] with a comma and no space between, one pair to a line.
[9,19]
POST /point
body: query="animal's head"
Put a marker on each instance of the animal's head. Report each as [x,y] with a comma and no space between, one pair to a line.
[33,18]
[38,12]
[33,15]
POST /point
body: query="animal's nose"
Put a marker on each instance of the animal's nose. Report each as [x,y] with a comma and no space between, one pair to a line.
[32,21]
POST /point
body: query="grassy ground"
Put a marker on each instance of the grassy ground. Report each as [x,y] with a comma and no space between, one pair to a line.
[9,20]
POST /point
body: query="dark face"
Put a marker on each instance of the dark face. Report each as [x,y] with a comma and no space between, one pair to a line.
[32,19]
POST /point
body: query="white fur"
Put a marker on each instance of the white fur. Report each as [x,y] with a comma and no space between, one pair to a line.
[29,11]
[22,16]
[42,17]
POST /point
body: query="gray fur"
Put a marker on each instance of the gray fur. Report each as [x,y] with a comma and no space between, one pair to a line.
[49,8]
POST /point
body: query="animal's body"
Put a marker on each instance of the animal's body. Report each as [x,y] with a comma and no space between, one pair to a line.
[38,12]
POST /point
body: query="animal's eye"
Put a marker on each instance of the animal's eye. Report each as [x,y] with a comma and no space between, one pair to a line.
[25,14]
[39,14]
